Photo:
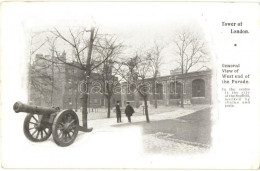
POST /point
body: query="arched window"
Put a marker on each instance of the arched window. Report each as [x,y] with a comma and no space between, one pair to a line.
[159,91]
[175,90]
[198,88]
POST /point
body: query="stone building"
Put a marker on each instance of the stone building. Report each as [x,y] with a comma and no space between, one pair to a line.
[196,89]
[61,85]
[53,84]
[74,80]
[46,81]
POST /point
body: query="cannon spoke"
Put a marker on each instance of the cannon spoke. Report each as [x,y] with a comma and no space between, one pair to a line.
[74,126]
[41,134]
[69,135]
[37,134]
[60,127]
[60,134]
[33,123]
[65,128]
[35,131]
[35,118]
[72,130]
[45,131]
[72,121]
[66,136]
[63,136]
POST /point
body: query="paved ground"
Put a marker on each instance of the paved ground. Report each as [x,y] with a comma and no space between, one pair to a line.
[186,134]
[101,113]
[178,131]
[161,113]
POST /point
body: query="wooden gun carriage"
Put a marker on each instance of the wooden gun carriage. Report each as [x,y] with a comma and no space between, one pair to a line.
[41,122]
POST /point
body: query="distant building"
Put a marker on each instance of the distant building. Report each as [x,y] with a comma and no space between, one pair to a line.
[60,85]
[46,81]
[74,81]
[175,71]
[196,89]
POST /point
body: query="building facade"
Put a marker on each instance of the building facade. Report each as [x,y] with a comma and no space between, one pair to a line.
[58,84]
[196,89]
[74,87]
[46,81]
[53,84]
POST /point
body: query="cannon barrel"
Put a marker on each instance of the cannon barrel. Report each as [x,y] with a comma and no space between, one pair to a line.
[32,109]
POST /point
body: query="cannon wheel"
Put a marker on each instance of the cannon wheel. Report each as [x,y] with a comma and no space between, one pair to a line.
[34,129]
[65,128]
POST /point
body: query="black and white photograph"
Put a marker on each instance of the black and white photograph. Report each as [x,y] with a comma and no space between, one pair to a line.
[129,85]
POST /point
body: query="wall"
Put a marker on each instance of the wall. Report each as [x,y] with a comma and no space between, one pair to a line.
[188,98]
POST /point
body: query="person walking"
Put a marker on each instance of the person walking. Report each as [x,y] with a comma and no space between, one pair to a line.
[118,112]
[129,111]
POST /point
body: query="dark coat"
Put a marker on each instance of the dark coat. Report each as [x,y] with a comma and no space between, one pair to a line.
[118,111]
[129,110]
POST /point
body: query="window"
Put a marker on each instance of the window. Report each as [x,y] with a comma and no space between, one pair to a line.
[159,91]
[175,90]
[198,88]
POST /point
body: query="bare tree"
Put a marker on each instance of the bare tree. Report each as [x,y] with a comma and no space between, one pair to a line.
[77,77]
[108,49]
[137,70]
[82,42]
[35,46]
[51,43]
[143,71]
[155,56]
[41,81]
[190,49]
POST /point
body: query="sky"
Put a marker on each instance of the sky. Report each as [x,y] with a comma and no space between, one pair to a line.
[136,24]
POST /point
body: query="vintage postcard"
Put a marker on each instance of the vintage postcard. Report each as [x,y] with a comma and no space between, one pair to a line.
[130,85]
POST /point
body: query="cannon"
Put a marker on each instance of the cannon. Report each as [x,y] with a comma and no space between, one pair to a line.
[41,122]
